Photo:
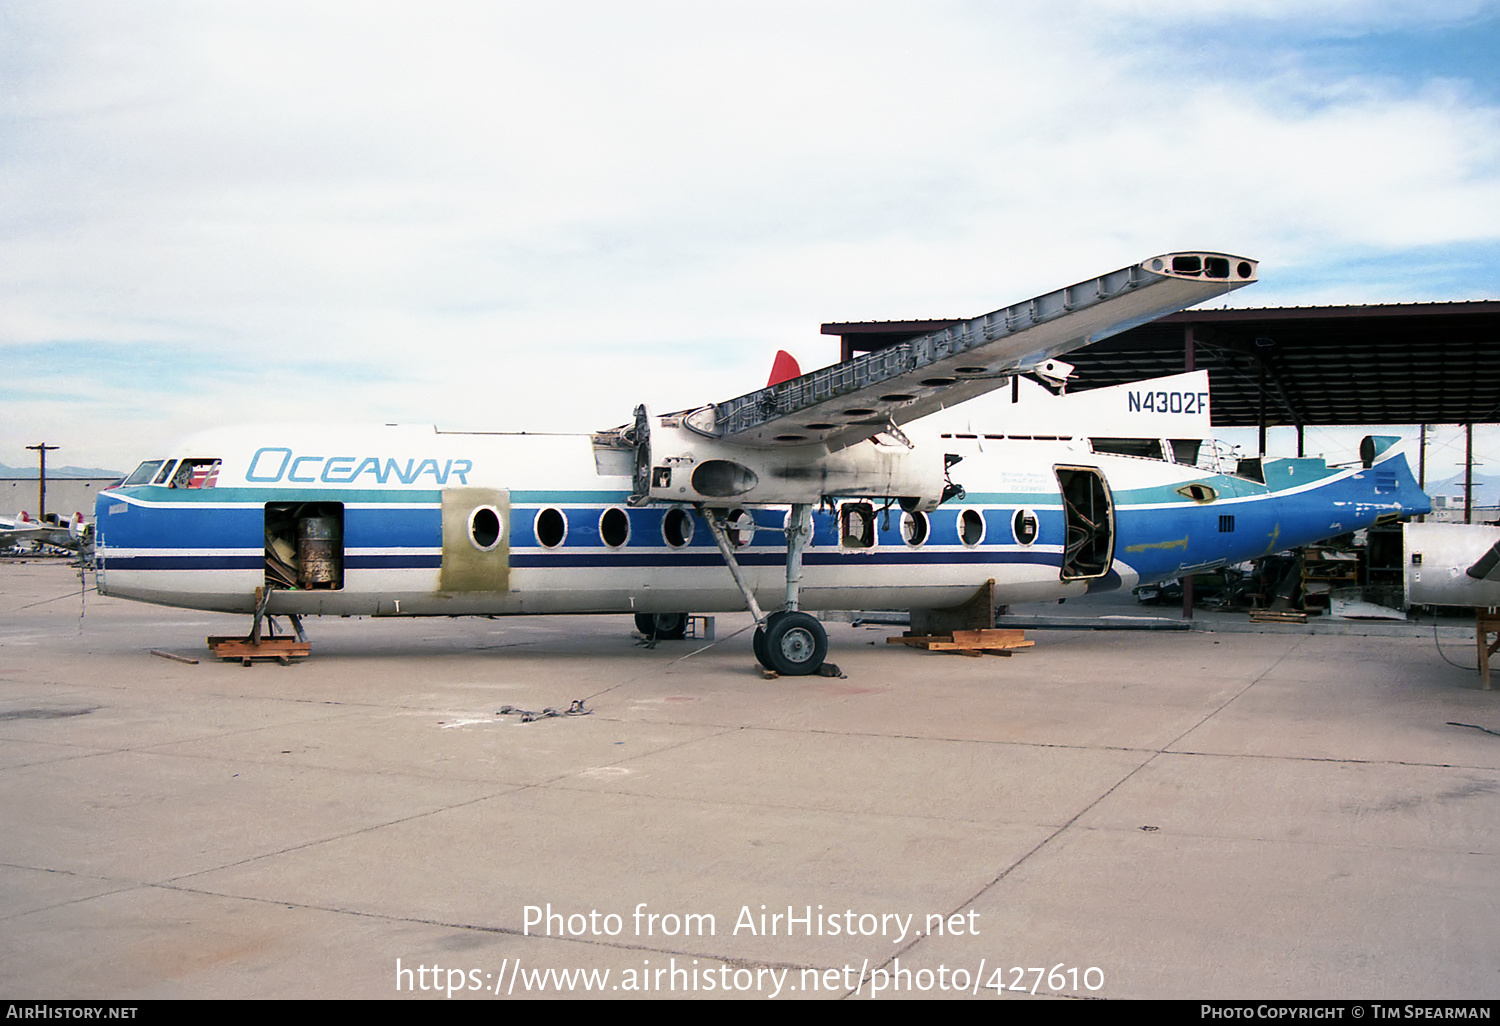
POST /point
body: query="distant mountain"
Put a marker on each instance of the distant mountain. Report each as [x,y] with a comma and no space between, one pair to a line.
[1486,488]
[29,473]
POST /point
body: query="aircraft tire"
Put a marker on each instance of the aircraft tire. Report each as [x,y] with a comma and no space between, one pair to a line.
[795,644]
[758,643]
[662,626]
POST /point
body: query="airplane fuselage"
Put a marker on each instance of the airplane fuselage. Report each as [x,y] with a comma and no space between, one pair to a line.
[402,521]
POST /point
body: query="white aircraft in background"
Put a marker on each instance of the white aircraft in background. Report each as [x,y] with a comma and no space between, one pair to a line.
[22,530]
[845,488]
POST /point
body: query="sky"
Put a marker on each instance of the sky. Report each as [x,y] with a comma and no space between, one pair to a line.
[499,216]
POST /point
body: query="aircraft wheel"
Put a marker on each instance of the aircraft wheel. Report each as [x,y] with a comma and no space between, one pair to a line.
[795,644]
[758,642]
[662,626]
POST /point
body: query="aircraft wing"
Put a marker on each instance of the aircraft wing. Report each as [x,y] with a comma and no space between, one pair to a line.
[850,401]
[16,535]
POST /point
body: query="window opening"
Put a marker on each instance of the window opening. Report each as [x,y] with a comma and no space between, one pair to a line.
[1024,526]
[857,525]
[915,527]
[677,527]
[971,527]
[614,527]
[485,528]
[551,527]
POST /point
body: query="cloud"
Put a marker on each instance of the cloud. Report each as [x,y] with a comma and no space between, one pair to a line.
[461,212]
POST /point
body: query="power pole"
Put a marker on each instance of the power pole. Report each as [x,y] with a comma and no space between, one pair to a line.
[41,449]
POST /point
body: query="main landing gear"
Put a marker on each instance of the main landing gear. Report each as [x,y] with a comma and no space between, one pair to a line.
[789,642]
[792,644]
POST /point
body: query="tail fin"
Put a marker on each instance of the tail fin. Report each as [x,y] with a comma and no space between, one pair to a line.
[784,369]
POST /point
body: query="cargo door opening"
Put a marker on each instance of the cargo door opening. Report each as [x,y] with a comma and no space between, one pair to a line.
[305,545]
[1089,515]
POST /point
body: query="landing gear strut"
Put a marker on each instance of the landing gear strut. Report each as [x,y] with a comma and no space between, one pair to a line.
[789,642]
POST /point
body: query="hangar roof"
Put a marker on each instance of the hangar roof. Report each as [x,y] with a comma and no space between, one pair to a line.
[1408,363]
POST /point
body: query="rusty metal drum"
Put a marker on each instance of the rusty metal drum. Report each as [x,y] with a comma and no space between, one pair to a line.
[320,553]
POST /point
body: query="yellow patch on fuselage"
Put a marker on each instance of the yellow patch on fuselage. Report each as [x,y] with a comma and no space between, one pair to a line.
[1180,543]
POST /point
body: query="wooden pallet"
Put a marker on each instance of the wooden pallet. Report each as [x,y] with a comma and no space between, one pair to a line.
[971,643]
[1277,616]
[283,650]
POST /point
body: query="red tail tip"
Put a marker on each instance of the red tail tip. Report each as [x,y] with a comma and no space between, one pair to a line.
[784,369]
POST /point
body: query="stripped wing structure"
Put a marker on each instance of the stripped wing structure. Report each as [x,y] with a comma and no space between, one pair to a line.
[842,404]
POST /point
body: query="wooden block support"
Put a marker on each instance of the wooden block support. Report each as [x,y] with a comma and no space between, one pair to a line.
[1486,622]
[966,642]
[283,650]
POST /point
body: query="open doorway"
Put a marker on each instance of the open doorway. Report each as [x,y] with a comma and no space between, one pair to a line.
[1090,517]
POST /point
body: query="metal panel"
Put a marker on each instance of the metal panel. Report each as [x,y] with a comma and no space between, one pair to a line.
[473,563]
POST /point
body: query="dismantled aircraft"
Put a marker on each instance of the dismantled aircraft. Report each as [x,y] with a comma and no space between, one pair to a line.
[21,530]
[844,488]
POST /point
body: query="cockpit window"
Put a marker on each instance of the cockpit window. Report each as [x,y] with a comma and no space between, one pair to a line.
[166,472]
[199,473]
[144,473]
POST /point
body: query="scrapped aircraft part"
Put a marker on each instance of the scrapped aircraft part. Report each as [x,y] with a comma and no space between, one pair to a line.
[639,436]
[978,613]
[978,355]
[1089,517]
[476,541]
[1451,564]
[691,468]
[577,708]
[1487,566]
[662,626]
[723,479]
[794,644]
